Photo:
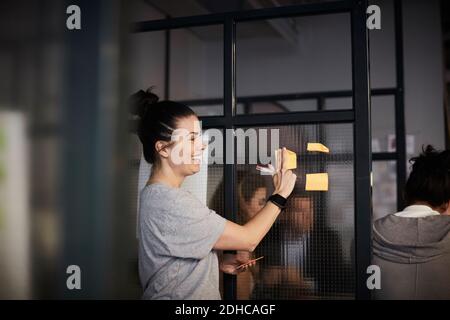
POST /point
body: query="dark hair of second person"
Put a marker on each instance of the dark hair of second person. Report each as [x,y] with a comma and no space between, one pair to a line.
[429,180]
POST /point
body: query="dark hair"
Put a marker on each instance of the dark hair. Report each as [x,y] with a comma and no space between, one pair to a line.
[156,119]
[429,180]
[248,183]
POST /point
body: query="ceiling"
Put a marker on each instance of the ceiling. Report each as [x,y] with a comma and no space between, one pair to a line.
[286,28]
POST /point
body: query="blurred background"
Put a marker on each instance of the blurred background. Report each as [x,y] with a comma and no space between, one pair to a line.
[69,159]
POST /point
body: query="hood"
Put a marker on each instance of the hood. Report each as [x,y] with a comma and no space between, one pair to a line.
[411,240]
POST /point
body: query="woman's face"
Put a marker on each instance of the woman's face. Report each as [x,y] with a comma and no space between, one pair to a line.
[186,151]
[256,203]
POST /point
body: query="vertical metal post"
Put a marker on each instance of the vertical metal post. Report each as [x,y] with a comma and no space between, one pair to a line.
[229,95]
[362,146]
[400,131]
[320,103]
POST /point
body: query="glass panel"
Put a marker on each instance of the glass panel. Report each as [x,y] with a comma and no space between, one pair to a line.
[210,110]
[291,56]
[382,48]
[196,66]
[277,106]
[308,253]
[383,124]
[384,194]
[339,103]
[146,62]
[215,199]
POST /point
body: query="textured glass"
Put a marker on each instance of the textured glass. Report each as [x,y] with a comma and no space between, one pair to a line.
[384,196]
[308,253]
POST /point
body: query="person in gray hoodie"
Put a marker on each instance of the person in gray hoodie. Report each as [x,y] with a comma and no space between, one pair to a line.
[412,247]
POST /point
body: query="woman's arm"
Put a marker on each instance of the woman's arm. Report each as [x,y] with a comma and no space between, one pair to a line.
[248,236]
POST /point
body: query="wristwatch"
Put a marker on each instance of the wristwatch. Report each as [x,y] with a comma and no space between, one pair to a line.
[278,200]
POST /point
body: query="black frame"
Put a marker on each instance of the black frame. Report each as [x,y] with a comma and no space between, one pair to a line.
[359,115]
[399,156]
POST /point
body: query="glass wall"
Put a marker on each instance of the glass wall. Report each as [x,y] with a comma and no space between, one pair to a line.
[278,60]
[308,253]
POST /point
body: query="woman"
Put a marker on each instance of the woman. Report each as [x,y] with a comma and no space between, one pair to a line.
[179,236]
[252,197]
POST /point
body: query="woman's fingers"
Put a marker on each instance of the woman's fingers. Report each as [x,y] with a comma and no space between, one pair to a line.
[281,156]
[279,160]
[247,265]
[284,157]
[283,179]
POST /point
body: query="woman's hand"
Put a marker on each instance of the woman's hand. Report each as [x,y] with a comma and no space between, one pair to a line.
[230,262]
[283,179]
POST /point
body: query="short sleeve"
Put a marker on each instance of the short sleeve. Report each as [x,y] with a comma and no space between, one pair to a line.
[191,228]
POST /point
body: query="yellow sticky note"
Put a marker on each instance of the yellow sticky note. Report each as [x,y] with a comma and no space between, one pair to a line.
[317,147]
[317,182]
[291,162]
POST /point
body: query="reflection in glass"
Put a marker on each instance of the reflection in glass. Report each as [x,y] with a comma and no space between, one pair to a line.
[308,253]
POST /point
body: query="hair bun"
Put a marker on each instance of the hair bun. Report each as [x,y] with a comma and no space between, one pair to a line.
[141,101]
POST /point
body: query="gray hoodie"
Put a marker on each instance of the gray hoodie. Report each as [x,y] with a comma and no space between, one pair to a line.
[412,250]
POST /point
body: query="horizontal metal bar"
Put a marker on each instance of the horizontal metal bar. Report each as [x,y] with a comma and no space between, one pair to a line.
[213,122]
[289,96]
[383,91]
[301,159]
[176,23]
[326,158]
[294,118]
[315,157]
[384,156]
[247,15]
[331,157]
[294,10]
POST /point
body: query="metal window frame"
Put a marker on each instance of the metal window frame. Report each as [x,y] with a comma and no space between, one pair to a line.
[359,115]
[399,156]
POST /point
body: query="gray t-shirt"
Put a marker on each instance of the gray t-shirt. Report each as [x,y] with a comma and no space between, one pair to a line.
[176,238]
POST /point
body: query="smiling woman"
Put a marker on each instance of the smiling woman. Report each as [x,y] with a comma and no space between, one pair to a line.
[178,235]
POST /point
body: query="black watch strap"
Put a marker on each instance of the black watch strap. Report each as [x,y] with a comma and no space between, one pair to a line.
[278,200]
